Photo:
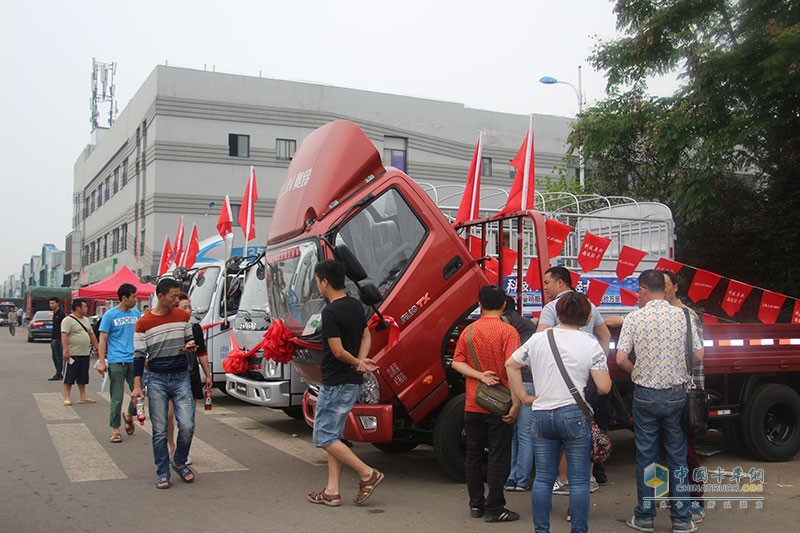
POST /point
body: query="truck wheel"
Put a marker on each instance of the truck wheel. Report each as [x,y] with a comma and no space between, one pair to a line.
[448,438]
[295,412]
[771,423]
[396,447]
[30,339]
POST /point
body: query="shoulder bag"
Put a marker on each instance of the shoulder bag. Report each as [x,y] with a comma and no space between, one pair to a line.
[494,398]
[601,444]
[92,351]
[695,410]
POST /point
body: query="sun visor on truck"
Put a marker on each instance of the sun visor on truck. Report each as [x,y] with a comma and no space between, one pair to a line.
[332,161]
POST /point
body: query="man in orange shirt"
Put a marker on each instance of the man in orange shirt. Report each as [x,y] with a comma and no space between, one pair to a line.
[494,342]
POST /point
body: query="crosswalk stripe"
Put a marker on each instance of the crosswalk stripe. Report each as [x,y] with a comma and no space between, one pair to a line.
[51,405]
[287,444]
[82,457]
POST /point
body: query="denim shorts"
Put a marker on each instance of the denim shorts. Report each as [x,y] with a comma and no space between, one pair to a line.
[334,404]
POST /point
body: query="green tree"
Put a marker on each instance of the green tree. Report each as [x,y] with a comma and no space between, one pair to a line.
[724,150]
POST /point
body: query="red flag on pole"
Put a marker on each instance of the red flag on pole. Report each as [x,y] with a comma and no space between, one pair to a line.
[191,250]
[702,284]
[596,291]
[710,319]
[509,260]
[557,233]
[166,257]
[177,244]
[771,303]
[735,296]
[592,251]
[576,279]
[628,260]
[491,269]
[475,247]
[520,198]
[628,297]
[796,312]
[225,220]
[247,214]
[532,276]
[668,264]
[471,201]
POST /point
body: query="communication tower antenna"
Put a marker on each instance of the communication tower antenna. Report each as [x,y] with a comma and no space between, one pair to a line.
[103,89]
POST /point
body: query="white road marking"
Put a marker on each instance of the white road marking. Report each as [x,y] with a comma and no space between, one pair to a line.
[287,444]
[82,457]
[51,405]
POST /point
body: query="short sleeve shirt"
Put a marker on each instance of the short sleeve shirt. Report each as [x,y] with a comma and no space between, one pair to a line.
[343,319]
[120,326]
[78,338]
[550,319]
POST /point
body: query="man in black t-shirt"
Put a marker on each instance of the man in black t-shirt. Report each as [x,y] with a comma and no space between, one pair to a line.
[345,343]
[56,349]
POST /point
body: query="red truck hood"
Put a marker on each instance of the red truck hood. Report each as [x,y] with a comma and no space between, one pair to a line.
[331,162]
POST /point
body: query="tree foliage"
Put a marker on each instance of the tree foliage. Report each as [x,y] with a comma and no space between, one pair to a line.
[724,150]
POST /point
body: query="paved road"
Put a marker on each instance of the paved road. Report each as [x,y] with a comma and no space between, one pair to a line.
[58,471]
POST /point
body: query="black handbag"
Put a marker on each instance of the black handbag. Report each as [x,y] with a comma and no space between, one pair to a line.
[194,364]
[601,444]
[494,398]
[695,410]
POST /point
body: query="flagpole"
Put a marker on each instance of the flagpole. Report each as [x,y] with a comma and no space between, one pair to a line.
[526,172]
[473,212]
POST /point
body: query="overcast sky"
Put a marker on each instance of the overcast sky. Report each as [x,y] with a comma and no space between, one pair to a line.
[486,55]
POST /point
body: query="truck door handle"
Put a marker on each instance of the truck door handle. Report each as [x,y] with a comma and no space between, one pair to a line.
[452,266]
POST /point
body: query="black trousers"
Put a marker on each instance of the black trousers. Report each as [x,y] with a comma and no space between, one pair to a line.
[484,431]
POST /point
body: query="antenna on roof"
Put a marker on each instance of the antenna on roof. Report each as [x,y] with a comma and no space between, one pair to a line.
[103,89]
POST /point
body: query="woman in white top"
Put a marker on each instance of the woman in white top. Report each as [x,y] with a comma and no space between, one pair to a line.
[557,420]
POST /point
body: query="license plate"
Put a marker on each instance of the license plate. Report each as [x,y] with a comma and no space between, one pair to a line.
[49,326]
[241,387]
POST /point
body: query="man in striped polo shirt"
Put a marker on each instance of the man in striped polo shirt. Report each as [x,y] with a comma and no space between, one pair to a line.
[163,337]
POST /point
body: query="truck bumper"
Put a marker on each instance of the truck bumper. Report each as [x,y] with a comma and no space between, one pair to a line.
[365,423]
[264,393]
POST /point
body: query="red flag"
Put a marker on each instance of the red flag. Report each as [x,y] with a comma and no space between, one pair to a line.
[190,256]
[735,296]
[592,251]
[629,258]
[471,201]
[177,244]
[796,312]
[576,279]
[596,291]
[668,264]
[225,220]
[628,297]
[247,214]
[557,233]
[703,283]
[491,269]
[709,319]
[509,260]
[475,247]
[166,257]
[771,303]
[532,276]
[520,198]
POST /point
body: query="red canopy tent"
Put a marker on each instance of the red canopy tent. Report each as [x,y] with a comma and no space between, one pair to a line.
[107,288]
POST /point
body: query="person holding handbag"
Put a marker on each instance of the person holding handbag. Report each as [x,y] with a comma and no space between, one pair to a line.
[557,419]
[77,339]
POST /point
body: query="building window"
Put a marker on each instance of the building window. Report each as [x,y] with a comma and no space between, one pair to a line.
[105,245]
[394,152]
[123,231]
[124,172]
[486,166]
[115,241]
[285,149]
[91,253]
[116,180]
[107,188]
[238,145]
[141,242]
[86,208]
[512,171]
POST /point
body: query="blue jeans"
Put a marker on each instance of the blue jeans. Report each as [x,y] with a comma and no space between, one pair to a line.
[334,404]
[657,414]
[57,353]
[160,389]
[567,427]
[522,446]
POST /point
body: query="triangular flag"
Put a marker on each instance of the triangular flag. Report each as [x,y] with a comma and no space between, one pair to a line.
[491,268]
[576,279]
[471,201]
[475,247]
[702,285]
[247,214]
[710,319]
[592,251]
[190,256]
[771,304]
[668,264]
[520,198]
[225,220]
[628,298]
[628,260]
[557,234]
[796,312]
[532,277]
[166,257]
[509,257]
[177,244]
[735,296]
[596,291]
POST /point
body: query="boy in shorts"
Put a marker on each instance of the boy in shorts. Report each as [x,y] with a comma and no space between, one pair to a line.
[345,343]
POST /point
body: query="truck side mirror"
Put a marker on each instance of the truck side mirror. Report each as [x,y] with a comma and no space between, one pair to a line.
[370,295]
[355,271]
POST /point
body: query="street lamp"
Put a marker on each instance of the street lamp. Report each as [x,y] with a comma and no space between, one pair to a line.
[549,80]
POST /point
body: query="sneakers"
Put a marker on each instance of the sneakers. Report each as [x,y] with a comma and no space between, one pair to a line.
[561,488]
[56,378]
[476,512]
[640,524]
[509,486]
[679,526]
[600,476]
[503,516]
[698,514]
[522,489]
[593,486]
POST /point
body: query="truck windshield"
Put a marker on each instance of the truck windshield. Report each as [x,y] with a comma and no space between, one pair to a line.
[291,287]
[201,291]
[254,297]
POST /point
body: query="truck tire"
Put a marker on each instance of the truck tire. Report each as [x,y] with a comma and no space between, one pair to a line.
[295,412]
[396,447]
[448,438]
[771,423]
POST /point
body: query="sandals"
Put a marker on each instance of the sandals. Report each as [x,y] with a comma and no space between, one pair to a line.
[366,488]
[185,472]
[115,437]
[162,482]
[67,403]
[322,497]
[87,400]
[129,427]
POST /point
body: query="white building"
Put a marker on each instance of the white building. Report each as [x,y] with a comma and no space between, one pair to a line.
[189,137]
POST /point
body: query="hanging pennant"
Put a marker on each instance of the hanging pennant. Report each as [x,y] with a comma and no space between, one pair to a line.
[592,251]
[668,264]
[576,279]
[771,303]
[709,319]
[629,258]
[735,296]
[796,312]
[491,267]
[596,291]
[475,247]
[627,297]
[557,234]
[703,283]
[509,260]
[532,276]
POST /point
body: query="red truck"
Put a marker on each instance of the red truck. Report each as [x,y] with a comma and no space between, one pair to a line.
[419,283]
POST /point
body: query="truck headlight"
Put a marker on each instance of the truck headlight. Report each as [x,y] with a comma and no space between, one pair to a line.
[372,389]
[271,368]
